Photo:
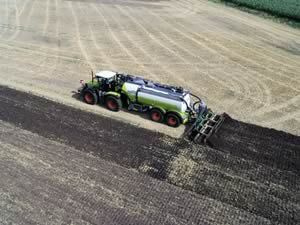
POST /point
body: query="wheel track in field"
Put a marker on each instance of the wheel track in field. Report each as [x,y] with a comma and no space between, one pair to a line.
[79,12]
[158,42]
[18,16]
[280,106]
[45,28]
[240,20]
[44,51]
[215,48]
[294,100]
[57,36]
[236,87]
[18,25]
[46,22]
[270,57]
[283,119]
[247,23]
[186,36]
[41,65]
[129,38]
[6,18]
[145,52]
[289,116]
[178,46]
[27,61]
[79,42]
[256,62]
[252,20]
[239,88]
[116,38]
[95,43]
[152,74]
[254,72]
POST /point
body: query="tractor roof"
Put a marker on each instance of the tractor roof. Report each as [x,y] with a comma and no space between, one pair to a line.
[105,74]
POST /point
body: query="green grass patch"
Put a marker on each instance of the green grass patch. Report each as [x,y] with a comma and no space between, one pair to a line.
[283,11]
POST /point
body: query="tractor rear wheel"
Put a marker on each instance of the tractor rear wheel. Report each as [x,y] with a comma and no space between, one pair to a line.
[156,115]
[113,103]
[90,97]
[173,120]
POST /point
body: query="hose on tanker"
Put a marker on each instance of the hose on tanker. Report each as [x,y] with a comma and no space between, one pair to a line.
[195,103]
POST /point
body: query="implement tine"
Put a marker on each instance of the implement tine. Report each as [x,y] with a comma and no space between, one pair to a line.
[204,128]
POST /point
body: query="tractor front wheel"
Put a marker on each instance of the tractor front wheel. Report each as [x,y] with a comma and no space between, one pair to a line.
[113,103]
[173,120]
[90,97]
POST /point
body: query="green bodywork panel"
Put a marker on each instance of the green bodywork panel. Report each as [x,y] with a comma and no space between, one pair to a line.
[113,93]
[164,107]
[94,84]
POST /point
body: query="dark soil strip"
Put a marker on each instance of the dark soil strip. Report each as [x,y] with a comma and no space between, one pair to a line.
[249,167]
[262,145]
[122,143]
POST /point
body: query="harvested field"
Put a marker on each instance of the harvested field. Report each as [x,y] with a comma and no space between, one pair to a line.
[64,165]
[241,64]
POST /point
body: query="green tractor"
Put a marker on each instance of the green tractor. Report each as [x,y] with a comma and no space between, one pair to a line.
[164,103]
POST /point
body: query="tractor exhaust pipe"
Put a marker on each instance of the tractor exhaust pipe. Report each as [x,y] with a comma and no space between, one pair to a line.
[92,76]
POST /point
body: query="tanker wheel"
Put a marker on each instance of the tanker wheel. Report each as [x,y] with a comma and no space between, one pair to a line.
[90,97]
[173,120]
[156,115]
[113,103]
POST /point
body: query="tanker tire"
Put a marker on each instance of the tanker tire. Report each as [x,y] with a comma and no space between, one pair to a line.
[90,97]
[156,115]
[113,103]
[173,120]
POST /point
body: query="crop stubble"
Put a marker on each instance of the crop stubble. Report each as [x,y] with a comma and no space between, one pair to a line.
[238,63]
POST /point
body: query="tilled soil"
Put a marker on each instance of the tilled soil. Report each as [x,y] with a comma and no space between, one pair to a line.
[250,175]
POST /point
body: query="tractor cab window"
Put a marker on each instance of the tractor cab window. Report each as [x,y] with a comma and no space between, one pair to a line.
[107,84]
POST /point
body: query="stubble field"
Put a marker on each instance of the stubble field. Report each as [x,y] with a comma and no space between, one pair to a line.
[238,63]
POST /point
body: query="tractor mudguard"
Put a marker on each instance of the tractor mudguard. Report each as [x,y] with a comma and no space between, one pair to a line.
[160,108]
[113,93]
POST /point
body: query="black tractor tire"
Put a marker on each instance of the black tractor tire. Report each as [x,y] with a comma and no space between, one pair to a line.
[113,103]
[156,115]
[173,120]
[90,97]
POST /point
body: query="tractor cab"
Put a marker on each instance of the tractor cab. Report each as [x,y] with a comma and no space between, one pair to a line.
[107,80]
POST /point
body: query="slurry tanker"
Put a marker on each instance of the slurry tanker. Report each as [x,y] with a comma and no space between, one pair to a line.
[164,103]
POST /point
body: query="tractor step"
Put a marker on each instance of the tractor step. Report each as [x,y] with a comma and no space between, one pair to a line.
[137,107]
